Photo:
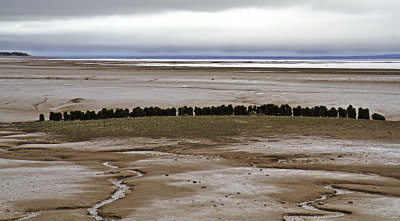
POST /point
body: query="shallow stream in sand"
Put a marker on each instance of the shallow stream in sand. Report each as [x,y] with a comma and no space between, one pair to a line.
[309,205]
[119,193]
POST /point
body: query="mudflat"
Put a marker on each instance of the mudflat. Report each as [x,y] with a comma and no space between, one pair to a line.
[196,168]
[32,86]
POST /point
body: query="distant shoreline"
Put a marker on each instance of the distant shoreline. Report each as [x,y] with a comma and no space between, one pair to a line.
[237,63]
[14,54]
[207,57]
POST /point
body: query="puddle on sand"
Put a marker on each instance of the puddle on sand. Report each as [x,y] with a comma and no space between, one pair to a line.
[29,216]
[138,173]
[302,217]
[107,164]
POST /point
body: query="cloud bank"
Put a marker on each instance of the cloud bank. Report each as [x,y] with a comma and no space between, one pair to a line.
[223,27]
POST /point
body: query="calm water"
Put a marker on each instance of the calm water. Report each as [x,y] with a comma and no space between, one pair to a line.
[363,64]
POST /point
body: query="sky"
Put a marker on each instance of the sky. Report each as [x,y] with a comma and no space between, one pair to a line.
[207,27]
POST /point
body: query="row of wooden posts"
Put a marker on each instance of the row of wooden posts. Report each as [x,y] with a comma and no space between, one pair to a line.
[267,109]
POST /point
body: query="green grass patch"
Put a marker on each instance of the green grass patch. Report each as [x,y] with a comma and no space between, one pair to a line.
[215,127]
[155,127]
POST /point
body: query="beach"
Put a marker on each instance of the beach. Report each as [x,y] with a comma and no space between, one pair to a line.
[33,86]
[196,168]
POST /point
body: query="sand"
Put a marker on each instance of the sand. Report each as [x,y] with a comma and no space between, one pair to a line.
[29,87]
[281,174]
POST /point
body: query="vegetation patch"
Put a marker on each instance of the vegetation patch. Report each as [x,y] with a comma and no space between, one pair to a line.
[217,128]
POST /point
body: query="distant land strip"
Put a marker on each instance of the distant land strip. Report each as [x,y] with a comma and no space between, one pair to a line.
[13,54]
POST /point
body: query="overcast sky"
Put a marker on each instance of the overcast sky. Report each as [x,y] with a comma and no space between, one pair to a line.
[207,27]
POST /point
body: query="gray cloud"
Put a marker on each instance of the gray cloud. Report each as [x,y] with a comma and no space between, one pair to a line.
[56,8]
[209,26]
[44,9]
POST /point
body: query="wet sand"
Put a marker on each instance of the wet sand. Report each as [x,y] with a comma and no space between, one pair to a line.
[221,181]
[281,174]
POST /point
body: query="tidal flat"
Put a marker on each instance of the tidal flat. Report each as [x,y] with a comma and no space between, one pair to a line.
[29,87]
[196,167]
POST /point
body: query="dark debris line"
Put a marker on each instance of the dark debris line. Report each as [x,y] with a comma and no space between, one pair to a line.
[227,110]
